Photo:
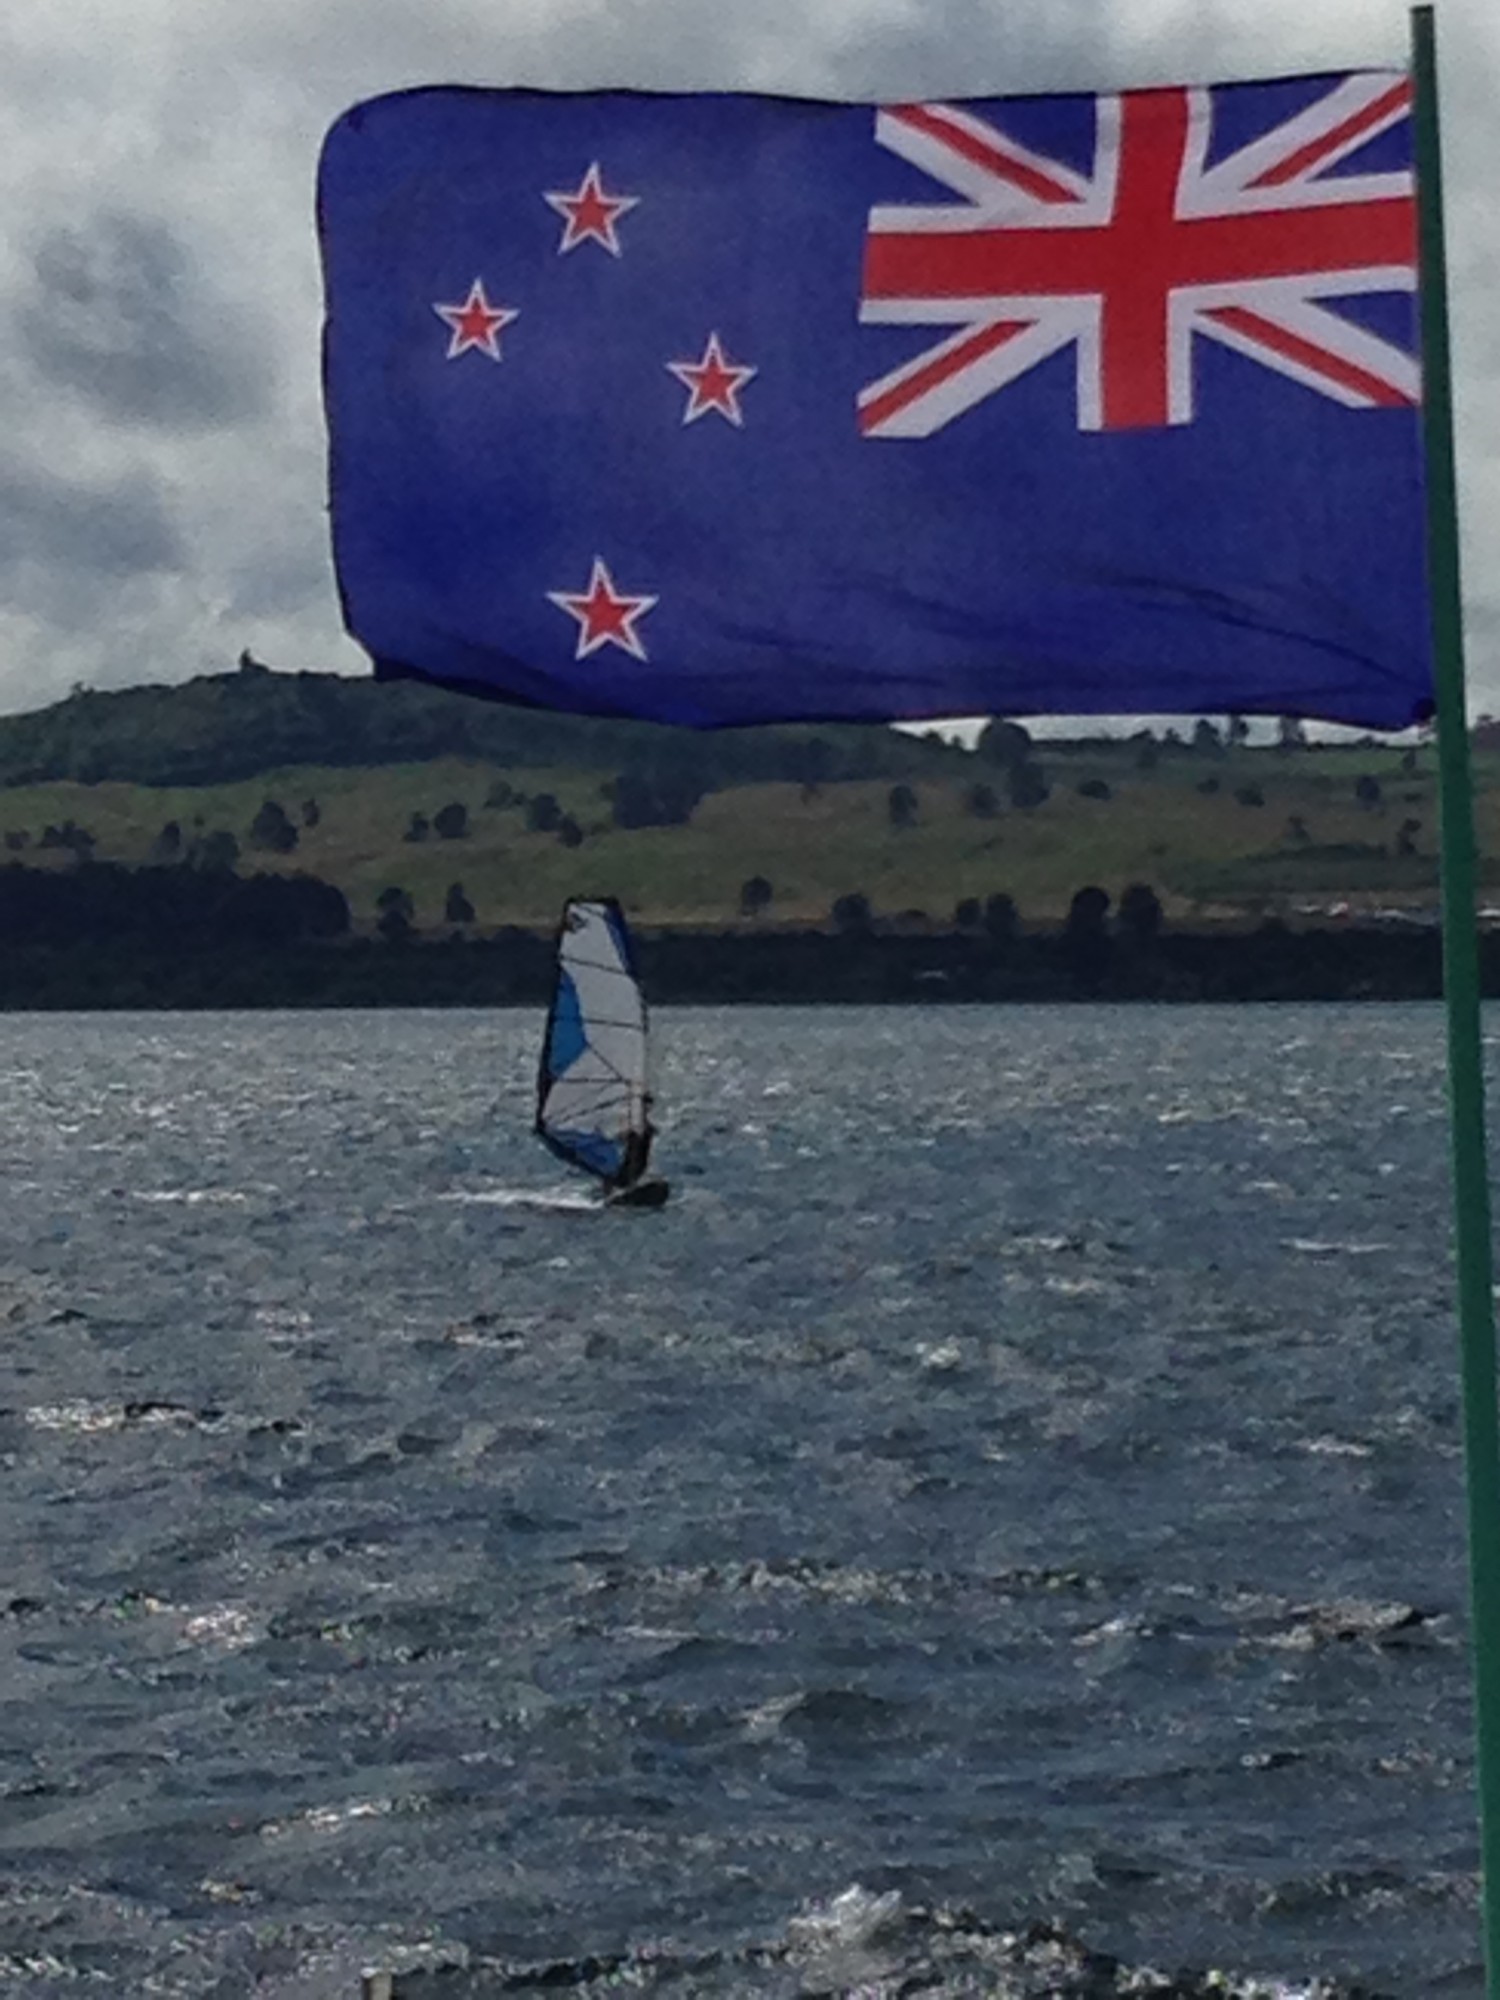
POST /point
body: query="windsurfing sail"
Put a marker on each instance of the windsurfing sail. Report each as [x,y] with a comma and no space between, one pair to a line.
[593,1104]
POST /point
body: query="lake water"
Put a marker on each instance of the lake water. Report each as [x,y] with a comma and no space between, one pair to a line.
[1019,1472]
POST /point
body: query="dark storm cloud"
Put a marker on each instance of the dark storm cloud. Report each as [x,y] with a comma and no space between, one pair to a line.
[118,313]
[114,531]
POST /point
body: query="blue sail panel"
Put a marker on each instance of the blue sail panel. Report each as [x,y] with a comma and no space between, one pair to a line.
[592,1100]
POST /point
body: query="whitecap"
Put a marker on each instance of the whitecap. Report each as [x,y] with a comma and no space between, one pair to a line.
[941,1358]
[1310,1246]
[81,1417]
[191,1197]
[1335,1447]
[327,1819]
[852,1918]
[228,1627]
[539,1198]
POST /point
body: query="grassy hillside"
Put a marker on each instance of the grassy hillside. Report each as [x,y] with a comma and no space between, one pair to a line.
[1190,826]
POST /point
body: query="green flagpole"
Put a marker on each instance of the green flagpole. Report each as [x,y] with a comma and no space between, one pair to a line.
[1471,1196]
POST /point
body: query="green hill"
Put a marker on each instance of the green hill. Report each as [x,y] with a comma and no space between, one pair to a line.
[379,787]
[222,727]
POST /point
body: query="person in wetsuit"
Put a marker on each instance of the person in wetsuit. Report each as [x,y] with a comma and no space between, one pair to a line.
[633,1161]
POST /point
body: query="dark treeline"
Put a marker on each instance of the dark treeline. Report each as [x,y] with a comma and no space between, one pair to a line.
[99,936]
[224,727]
[177,910]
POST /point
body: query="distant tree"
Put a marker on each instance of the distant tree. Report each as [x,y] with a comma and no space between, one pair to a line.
[312,812]
[1027,785]
[500,794]
[248,664]
[1086,941]
[1409,760]
[457,909]
[663,796]
[272,829]
[396,909]
[981,802]
[215,853]
[1237,730]
[1003,743]
[1208,786]
[851,913]
[1094,788]
[569,832]
[1140,912]
[1250,795]
[451,822]
[1147,750]
[968,915]
[1296,830]
[901,806]
[1367,792]
[167,846]
[755,896]
[1206,739]
[543,813]
[632,799]
[73,839]
[1291,733]
[1088,912]
[1001,918]
[814,765]
[418,827]
[1406,836]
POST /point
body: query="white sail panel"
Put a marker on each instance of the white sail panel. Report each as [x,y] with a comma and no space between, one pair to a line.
[593,1100]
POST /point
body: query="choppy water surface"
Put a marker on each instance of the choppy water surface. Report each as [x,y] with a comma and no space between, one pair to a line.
[1020,1473]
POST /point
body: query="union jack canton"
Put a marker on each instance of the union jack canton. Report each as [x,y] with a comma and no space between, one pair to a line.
[1128,262]
[635,405]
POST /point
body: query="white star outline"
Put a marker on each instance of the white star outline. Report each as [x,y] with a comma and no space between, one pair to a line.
[579,605]
[477,304]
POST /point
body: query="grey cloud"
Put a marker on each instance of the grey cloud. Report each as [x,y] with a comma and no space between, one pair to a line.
[284,581]
[119,314]
[69,532]
[970,46]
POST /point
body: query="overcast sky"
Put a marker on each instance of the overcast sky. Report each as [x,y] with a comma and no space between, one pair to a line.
[161,434]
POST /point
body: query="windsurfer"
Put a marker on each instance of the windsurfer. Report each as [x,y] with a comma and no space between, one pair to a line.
[637,1151]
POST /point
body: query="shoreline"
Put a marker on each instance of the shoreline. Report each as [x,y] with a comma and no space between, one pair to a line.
[514,968]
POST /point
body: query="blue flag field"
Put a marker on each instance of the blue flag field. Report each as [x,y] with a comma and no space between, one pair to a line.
[733,409]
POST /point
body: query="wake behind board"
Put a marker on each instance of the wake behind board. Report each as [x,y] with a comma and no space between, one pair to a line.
[593,1098]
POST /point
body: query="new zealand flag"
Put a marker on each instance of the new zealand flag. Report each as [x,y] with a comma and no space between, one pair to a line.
[725,409]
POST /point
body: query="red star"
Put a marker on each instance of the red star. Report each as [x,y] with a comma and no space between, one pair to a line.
[605,618]
[715,384]
[590,212]
[476,323]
